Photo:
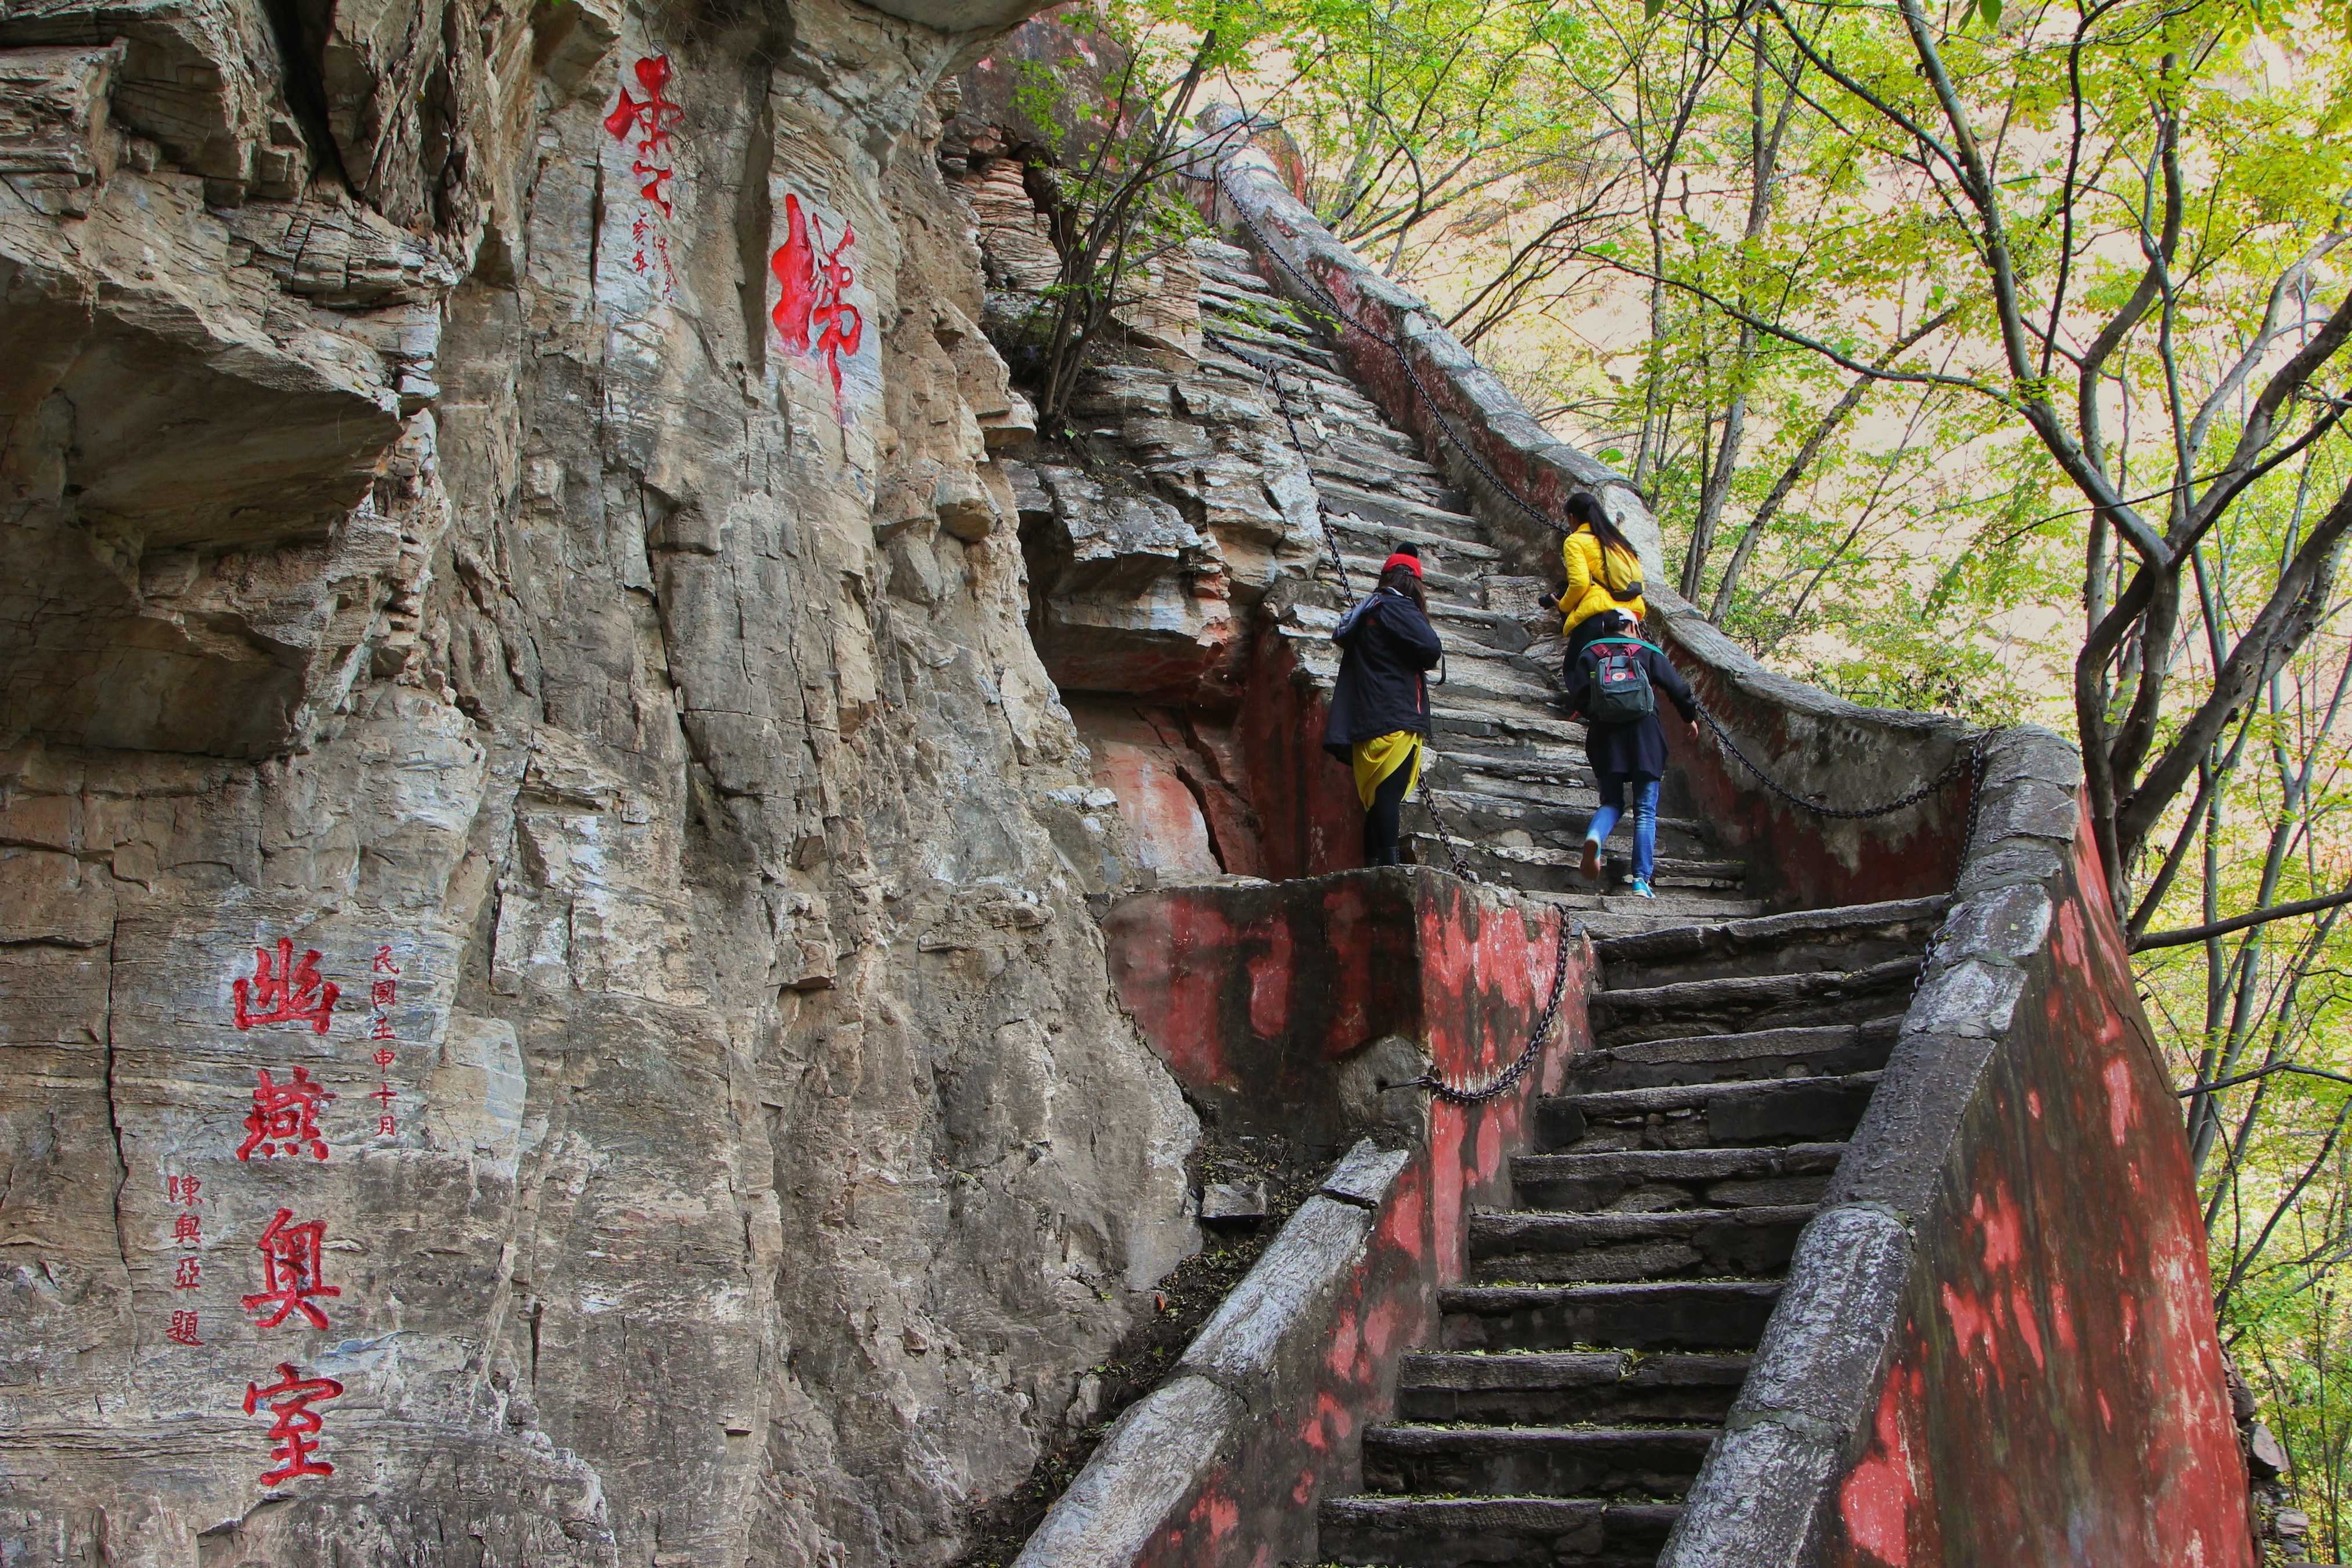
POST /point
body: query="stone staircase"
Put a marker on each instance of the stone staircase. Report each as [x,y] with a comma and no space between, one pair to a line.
[1507,763]
[1587,1369]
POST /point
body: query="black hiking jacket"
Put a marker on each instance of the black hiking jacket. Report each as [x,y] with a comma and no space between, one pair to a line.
[1386,644]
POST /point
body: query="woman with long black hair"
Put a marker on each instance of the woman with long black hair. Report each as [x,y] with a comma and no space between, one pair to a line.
[1604,576]
[1380,707]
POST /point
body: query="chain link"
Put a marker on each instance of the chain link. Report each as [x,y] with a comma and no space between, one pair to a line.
[1968,842]
[1445,835]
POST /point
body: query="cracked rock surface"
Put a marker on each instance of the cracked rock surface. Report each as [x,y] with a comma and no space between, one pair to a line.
[520,524]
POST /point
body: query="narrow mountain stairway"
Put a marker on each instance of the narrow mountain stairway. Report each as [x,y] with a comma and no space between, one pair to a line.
[1507,764]
[1585,1371]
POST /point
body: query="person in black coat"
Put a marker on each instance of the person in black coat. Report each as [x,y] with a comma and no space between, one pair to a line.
[1631,754]
[1380,709]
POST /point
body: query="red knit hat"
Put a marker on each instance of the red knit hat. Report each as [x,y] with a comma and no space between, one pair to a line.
[1402,558]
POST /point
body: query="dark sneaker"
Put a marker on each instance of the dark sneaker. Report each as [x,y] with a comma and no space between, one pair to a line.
[1592,866]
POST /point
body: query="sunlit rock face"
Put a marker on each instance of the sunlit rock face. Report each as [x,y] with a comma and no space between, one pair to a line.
[550,1010]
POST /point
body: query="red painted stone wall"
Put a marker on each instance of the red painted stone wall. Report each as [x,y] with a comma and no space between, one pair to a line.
[1256,997]
[1309,821]
[2056,1393]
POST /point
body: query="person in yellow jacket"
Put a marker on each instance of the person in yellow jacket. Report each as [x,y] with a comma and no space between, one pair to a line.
[1604,576]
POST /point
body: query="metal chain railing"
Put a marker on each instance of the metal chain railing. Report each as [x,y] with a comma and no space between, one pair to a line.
[1961,763]
[1271,375]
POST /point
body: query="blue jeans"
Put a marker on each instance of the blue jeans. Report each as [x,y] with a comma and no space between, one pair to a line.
[1646,818]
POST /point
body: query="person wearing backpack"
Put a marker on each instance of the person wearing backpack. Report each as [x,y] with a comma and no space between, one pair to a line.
[1603,576]
[1379,705]
[1614,687]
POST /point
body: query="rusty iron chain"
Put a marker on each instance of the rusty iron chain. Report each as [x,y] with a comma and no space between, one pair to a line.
[1272,377]
[1968,842]
[1961,763]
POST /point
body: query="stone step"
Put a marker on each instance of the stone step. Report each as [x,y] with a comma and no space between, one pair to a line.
[1311,388]
[1553,1388]
[1553,871]
[1631,916]
[1494,1531]
[1669,908]
[1280,337]
[1561,1248]
[1484,689]
[1534,1461]
[1464,558]
[1830,1051]
[1499,723]
[1336,451]
[1741,1002]
[1392,510]
[1490,628]
[1557,827]
[1644,1180]
[1855,937]
[1709,1115]
[1665,1315]
[1436,578]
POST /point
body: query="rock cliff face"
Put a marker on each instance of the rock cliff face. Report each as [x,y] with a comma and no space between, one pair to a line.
[549,1010]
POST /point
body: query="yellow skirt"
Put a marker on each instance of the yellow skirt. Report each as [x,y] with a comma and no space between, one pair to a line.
[1375,759]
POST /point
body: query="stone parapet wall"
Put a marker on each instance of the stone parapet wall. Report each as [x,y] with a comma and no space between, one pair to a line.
[1295,1009]
[1825,749]
[1997,1343]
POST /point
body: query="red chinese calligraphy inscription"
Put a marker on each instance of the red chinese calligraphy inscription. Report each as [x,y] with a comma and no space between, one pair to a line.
[285,1118]
[647,122]
[296,1426]
[183,1331]
[290,1272]
[812,313]
[291,994]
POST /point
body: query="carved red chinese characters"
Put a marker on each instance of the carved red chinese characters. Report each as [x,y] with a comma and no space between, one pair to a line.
[285,1118]
[296,1426]
[290,992]
[648,118]
[290,1272]
[815,283]
[183,1331]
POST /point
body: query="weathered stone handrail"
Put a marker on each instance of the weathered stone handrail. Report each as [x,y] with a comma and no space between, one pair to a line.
[2009,1266]
[1153,1487]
